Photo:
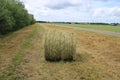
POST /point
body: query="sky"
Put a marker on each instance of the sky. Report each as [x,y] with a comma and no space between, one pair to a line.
[107,11]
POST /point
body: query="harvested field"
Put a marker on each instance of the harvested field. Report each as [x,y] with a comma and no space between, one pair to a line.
[98,57]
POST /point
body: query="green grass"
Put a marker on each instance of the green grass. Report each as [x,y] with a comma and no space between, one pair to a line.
[97,27]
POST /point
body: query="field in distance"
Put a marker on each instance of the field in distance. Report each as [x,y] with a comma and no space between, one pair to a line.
[95,26]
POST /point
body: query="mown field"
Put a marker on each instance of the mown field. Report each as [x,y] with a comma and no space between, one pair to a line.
[22,56]
[97,27]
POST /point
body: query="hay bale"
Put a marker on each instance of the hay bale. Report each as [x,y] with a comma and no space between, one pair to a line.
[59,45]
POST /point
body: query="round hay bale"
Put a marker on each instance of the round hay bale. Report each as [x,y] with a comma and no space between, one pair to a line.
[59,45]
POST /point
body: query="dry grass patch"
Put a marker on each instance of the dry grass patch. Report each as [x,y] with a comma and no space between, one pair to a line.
[97,52]
[98,58]
[10,45]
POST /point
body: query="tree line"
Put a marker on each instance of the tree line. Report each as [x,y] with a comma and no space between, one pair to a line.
[13,16]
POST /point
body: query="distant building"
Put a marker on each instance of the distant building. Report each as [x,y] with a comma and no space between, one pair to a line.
[72,22]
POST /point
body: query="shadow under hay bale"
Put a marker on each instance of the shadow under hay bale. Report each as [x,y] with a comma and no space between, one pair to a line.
[59,45]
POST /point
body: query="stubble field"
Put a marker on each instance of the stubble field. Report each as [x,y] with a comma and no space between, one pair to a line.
[22,56]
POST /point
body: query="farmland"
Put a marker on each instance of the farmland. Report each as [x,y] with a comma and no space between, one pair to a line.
[22,56]
[95,26]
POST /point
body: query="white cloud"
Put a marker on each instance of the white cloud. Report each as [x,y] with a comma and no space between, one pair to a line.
[109,12]
[61,4]
[74,10]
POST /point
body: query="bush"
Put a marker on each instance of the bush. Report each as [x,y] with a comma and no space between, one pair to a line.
[6,21]
[13,16]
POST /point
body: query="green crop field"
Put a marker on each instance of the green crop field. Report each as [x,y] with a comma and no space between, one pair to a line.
[97,27]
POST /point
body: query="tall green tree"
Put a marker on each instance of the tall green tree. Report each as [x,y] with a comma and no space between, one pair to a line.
[6,19]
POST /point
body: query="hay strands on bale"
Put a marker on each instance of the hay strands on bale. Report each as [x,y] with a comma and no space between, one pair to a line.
[59,45]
